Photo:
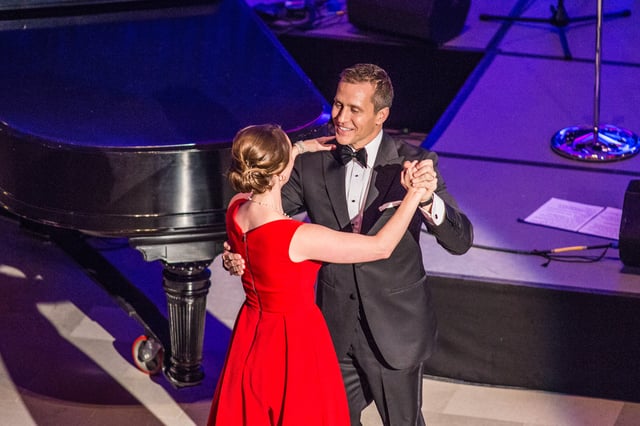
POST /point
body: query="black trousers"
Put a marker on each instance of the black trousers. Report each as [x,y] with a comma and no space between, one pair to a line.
[397,393]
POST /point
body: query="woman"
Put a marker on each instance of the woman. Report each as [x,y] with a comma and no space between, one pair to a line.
[281,368]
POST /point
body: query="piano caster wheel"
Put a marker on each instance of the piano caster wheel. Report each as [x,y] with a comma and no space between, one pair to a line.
[147,355]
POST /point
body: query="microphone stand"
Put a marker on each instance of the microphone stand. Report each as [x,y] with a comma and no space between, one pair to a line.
[596,143]
[559,19]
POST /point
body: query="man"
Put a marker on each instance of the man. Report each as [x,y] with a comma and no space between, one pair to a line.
[379,314]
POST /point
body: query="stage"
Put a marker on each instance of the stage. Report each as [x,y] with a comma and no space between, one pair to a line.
[511,319]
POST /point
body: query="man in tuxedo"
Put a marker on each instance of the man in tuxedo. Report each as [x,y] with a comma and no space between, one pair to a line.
[379,314]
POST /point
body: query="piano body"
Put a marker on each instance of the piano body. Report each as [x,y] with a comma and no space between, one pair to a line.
[116,121]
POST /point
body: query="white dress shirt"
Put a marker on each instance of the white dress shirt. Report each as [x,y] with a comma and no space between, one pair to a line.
[357,180]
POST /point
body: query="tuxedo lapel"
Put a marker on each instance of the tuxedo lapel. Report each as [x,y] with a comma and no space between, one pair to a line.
[385,171]
[335,181]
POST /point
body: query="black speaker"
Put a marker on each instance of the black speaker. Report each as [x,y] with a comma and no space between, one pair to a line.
[432,20]
[629,241]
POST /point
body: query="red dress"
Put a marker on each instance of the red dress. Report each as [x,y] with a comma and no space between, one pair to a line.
[281,367]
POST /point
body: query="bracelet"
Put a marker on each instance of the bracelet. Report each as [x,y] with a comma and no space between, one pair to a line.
[300,147]
[426,203]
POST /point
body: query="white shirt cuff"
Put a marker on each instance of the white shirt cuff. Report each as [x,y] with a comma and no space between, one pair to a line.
[435,212]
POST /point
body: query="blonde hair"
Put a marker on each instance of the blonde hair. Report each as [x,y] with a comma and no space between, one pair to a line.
[258,153]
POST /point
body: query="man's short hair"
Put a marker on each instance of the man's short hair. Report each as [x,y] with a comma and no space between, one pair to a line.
[371,73]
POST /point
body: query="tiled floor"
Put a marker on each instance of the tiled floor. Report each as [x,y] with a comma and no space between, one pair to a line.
[65,345]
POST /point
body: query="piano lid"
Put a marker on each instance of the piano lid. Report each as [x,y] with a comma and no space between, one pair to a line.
[121,123]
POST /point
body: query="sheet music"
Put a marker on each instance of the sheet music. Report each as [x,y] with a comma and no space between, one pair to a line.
[578,217]
[606,224]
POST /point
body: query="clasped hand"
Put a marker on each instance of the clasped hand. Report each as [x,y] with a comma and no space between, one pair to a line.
[420,174]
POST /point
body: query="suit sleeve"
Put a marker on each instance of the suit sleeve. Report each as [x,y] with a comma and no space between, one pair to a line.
[292,192]
[455,234]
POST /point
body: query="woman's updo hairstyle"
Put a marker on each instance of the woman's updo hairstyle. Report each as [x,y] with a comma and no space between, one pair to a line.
[258,153]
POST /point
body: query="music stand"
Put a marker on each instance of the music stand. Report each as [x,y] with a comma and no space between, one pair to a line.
[559,19]
[596,143]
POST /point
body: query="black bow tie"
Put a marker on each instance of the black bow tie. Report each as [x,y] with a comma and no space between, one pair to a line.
[347,154]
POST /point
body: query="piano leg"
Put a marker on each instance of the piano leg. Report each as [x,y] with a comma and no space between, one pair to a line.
[186,286]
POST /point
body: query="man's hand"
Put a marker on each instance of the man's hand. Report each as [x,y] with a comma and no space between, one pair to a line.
[232,262]
[424,176]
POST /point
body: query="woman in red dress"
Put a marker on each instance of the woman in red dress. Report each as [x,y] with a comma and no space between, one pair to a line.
[281,368]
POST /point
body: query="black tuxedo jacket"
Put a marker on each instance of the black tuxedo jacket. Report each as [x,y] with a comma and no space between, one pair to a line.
[391,295]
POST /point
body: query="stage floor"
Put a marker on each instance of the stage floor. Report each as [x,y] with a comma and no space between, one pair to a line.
[495,142]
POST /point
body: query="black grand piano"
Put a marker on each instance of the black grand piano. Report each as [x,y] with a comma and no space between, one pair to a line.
[116,120]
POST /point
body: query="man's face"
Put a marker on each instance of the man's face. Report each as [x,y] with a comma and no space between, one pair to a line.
[356,123]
